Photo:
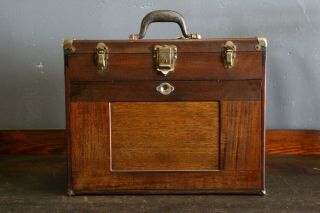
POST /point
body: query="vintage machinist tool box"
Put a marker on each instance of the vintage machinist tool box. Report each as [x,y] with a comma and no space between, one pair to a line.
[183,115]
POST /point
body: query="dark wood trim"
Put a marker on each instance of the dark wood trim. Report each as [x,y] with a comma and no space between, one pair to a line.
[303,142]
[145,91]
[33,141]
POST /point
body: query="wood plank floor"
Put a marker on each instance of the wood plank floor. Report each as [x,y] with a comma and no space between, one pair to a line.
[38,184]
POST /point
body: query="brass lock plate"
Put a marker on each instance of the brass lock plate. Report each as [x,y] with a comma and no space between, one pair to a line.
[165,57]
[229,54]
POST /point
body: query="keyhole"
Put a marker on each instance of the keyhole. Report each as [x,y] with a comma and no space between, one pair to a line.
[165,87]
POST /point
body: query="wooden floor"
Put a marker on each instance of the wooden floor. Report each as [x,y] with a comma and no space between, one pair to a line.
[38,184]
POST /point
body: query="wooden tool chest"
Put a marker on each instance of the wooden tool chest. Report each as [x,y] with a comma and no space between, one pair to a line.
[180,115]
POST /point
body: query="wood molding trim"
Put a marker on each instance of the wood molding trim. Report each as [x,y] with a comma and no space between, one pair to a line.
[302,142]
[33,141]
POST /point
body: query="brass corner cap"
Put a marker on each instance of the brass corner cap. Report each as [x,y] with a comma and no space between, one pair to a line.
[70,192]
[68,45]
[263,192]
[262,41]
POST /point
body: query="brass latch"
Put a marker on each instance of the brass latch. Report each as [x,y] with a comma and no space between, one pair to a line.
[228,54]
[165,57]
[101,56]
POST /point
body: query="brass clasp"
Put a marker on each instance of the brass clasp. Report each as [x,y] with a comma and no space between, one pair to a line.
[101,56]
[165,57]
[228,54]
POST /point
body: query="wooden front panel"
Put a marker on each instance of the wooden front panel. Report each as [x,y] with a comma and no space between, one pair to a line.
[110,158]
[164,136]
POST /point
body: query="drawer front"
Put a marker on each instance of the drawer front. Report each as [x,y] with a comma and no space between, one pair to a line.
[204,135]
[183,91]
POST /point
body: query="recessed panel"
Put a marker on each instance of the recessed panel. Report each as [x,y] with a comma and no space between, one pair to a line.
[164,136]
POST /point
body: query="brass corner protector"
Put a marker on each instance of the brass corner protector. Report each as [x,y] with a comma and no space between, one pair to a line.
[262,42]
[68,46]
[263,192]
[70,192]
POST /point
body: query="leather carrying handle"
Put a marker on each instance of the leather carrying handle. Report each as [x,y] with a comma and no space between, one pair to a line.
[163,16]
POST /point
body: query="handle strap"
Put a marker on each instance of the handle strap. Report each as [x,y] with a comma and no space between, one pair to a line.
[163,16]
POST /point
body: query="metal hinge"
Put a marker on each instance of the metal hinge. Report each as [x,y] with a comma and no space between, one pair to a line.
[165,58]
[229,54]
[101,56]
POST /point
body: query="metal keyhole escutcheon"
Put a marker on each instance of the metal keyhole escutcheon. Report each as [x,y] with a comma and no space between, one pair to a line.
[165,88]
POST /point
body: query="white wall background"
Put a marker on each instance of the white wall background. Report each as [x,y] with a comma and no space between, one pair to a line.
[31,56]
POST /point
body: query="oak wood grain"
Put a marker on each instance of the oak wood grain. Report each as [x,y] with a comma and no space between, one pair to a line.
[241,135]
[193,181]
[165,136]
[302,142]
[89,139]
[37,141]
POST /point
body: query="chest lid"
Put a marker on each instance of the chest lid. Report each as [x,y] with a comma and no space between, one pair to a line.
[201,58]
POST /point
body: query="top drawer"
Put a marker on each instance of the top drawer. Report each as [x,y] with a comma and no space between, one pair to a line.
[137,60]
